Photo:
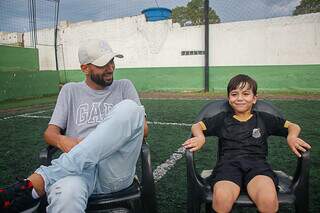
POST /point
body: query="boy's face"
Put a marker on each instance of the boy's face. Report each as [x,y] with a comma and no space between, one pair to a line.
[242,100]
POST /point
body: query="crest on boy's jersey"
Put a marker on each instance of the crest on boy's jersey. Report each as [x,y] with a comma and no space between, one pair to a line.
[256,133]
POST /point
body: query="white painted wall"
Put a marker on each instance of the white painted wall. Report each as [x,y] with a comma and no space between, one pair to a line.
[281,41]
[10,38]
[45,45]
[285,40]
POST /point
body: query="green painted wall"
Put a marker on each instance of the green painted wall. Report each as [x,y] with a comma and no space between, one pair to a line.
[297,78]
[20,76]
[15,85]
[294,78]
[18,59]
[70,76]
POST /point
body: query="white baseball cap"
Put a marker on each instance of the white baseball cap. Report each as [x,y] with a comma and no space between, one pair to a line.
[97,52]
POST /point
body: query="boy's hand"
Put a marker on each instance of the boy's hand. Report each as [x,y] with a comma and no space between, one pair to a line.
[297,145]
[194,143]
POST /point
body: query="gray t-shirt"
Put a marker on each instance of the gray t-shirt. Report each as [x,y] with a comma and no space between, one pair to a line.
[79,109]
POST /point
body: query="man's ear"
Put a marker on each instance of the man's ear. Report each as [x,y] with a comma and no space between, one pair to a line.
[84,68]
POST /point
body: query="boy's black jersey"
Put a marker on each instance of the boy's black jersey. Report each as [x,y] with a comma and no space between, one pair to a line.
[248,138]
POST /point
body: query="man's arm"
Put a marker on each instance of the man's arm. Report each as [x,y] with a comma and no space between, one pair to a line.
[53,137]
[195,143]
[295,143]
[131,93]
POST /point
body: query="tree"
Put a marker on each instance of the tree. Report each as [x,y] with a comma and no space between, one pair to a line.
[193,14]
[307,6]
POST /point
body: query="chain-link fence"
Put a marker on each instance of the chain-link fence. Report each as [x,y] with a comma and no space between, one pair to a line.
[124,25]
[22,21]
[16,19]
[243,35]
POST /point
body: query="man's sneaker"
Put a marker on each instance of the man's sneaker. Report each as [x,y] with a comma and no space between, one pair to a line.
[18,197]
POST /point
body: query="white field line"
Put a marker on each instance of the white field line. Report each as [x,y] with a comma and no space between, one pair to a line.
[162,169]
[33,116]
[159,172]
[180,99]
[167,123]
[24,115]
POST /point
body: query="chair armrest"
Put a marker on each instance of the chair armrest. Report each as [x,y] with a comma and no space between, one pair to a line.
[300,180]
[147,180]
[193,177]
[46,154]
[301,174]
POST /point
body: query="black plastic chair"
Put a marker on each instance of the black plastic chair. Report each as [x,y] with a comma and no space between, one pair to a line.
[139,197]
[294,191]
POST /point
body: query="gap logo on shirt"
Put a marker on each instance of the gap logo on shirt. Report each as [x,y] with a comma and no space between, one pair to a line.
[92,113]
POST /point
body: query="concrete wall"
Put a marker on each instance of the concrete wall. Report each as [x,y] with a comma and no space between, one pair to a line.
[11,38]
[45,46]
[15,85]
[288,78]
[285,40]
[277,41]
[18,59]
[144,44]
[20,76]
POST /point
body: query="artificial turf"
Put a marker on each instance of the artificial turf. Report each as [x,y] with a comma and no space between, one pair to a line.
[21,141]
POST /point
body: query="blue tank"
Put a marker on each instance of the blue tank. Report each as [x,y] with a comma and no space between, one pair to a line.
[156,13]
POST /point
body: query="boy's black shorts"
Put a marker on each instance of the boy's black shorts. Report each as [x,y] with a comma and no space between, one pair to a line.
[241,171]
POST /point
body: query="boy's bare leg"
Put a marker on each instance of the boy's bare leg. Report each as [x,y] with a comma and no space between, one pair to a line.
[38,183]
[262,191]
[225,194]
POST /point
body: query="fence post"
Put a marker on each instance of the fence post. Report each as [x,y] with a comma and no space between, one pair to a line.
[206,44]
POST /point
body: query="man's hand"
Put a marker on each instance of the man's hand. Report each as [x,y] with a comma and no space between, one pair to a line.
[65,143]
[297,144]
[194,143]
[53,137]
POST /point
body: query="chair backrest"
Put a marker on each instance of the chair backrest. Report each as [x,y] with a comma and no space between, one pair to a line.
[217,106]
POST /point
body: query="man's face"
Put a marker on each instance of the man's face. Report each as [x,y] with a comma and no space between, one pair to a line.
[102,76]
[242,100]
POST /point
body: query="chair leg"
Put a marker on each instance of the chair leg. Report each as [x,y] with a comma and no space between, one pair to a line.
[193,207]
[136,206]
[301,207]
[209,208]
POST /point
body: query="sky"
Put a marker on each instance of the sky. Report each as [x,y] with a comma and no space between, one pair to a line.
[14,13]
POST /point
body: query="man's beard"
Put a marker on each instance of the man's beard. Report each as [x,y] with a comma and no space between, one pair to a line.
[98,79]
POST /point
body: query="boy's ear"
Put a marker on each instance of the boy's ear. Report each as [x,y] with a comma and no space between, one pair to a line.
[255,98]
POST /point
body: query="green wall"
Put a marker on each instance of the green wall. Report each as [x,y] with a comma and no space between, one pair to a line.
[15,85]
[18,59]
[288,78]
[293,78]
[20,76]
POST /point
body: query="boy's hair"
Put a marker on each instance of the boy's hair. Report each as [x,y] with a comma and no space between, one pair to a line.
[241,81]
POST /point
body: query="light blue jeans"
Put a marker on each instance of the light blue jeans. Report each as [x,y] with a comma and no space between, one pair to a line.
[104,162]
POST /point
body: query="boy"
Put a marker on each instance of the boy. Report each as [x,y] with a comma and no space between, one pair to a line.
[243,134]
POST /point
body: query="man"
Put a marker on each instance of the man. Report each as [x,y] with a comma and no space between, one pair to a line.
[104,125]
